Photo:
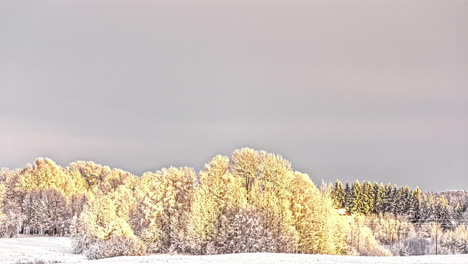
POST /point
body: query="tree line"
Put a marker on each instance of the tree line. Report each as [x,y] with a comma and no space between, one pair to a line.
[408,221]
[252,201]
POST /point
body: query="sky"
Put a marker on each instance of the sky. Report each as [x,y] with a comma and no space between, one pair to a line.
[368,90]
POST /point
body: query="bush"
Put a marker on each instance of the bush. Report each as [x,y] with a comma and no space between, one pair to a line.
[363,242]
[414,246]
[99,233]
[115,246]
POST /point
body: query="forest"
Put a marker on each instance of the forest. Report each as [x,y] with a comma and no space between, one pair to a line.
[253,201]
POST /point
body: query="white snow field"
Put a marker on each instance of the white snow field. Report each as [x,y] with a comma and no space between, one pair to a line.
[58,250]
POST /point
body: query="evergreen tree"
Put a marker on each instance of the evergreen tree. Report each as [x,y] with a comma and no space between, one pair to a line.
[393,200]
[339,195]
[425,209]
[359,204]
[414,214]
[368,198]
[442,212]
[379,194]
[349,197]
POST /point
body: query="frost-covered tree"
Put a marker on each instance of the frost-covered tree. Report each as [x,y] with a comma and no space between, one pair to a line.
[349,197]
[320,230]
[271,196]
[99,232]
[91,173]
[360,205]
[245,164]
[338,195]
[378,198]
[362,239]
[442,212]
[44,174]
[162,213]
[3,217]
[46,212]
[11,206]
[219,195]
[245,233]
[414,212]
[96,177]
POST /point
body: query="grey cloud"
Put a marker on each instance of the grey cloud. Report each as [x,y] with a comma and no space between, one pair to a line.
[344,89]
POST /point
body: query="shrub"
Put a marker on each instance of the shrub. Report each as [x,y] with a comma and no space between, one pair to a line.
[115,246]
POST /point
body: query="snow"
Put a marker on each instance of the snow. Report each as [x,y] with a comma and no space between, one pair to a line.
[58,250]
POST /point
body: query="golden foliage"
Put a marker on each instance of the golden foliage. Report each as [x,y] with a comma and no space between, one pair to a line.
[164,200]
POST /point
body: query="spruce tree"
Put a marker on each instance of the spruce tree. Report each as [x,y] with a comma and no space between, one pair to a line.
[414,213]
[379,194]
[339,195]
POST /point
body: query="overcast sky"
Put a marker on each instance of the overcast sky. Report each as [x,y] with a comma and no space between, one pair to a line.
[369,90]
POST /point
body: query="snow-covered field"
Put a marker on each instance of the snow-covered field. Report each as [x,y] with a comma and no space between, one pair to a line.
[58,250]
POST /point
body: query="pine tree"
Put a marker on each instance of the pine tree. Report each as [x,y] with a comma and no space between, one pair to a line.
[399,201]
[379,195]
[425,213]
[359,204]
[349,197]
[442,212]
[405,200]
[392,199]
[458,213]
[339,195]
[415,215]
[368,198]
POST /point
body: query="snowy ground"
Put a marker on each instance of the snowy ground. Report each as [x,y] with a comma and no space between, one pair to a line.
[58,250]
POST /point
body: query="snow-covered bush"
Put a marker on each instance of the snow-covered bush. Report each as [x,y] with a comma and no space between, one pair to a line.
[99,233]
[115,246]
[362,240]
[246,233]
[413,246]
